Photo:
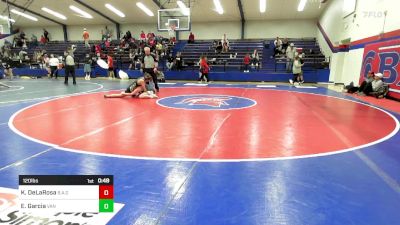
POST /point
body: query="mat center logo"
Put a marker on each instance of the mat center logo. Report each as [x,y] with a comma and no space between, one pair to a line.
[206,102]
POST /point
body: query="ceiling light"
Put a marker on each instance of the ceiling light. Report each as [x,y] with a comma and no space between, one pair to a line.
[54,13]
[6,18]
[80,12]
[145,9]
[218,7]
[263,6]
[115,10]
[185,10]
[302,4]
[24,15]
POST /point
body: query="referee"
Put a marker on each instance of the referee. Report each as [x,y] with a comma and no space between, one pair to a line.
[149,65]
[69,68]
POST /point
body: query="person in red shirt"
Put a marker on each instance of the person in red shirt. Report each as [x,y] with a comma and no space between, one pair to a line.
[246,62]
[142,36]
[191,38]
[43,40]
[107,43]
[204,69]
[152,43]
[148,36]
[98,50]
[85,36]
[110,63]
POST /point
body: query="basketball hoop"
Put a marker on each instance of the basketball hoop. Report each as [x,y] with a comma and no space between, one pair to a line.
[173,20]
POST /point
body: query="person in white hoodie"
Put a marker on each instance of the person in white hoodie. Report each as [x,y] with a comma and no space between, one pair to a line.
[296,70]
[278,46]
[374,86]
[53,63]
[224,39]
[225,43]
[291,52]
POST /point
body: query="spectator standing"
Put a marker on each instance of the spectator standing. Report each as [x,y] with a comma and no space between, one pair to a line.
[108,32]
[148,36]
[149,65]
[46,35]
[42,40]
[34,41]
[86,38]
[132,59]
[291,52]
[296,70]
[46,63]
[110,63]
[97,49]
[191,38]
[246,62]
[301,59]
[87,68]
[107,44]
[69,68]
[204,69]
[285,45]
[103,36]
[179,61]
[277,46]
[22,35]
[142,37]
[152,43]
[224,39]
[171,34]
[225,47]
[128,35]
[225,43]
[53,62]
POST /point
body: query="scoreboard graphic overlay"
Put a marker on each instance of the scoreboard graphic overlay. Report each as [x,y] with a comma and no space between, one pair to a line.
[66,193]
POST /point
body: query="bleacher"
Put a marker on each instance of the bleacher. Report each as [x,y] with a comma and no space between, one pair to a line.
[191,53]
[57,48]
[312,60]
[233,60]
[121,57]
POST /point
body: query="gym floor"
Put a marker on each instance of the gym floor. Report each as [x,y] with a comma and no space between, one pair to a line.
[219,153]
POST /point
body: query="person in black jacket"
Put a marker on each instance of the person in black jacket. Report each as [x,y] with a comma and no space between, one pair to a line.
[179,61]
[46,35]
[170,62]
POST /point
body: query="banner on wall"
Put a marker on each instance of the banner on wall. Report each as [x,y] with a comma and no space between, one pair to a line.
[384,57]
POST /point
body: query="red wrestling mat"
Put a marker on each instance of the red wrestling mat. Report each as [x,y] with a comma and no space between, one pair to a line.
[388,104]
[206,123]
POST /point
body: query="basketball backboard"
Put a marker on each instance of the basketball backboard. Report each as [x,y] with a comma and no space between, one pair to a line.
[173,18]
